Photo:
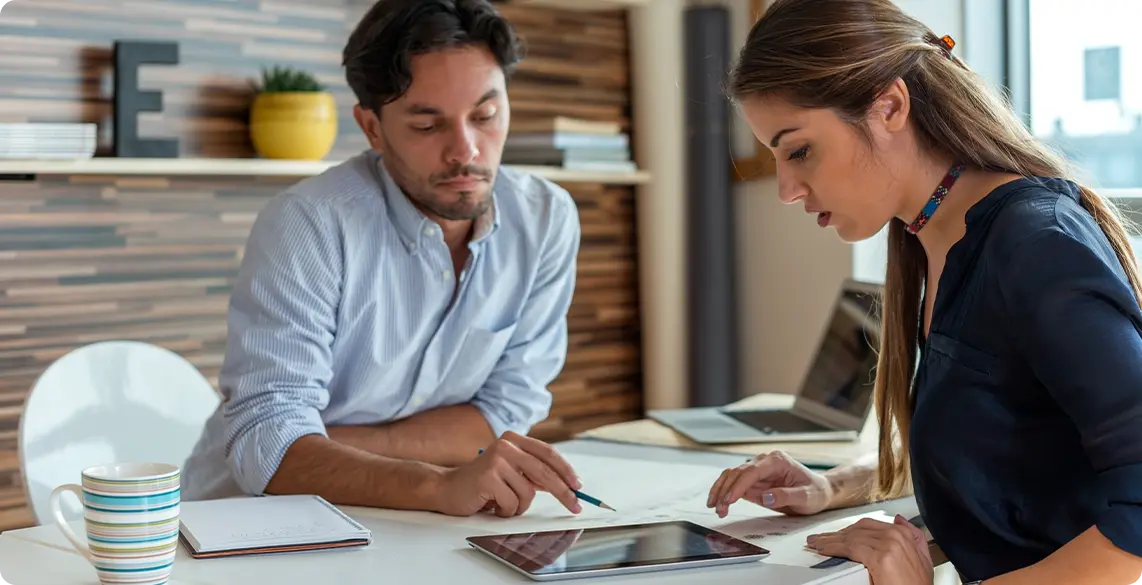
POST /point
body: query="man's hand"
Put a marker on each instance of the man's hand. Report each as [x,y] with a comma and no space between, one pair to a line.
[505,478]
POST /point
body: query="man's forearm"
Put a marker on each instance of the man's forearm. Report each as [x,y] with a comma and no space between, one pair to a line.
[448,436]
[343,475]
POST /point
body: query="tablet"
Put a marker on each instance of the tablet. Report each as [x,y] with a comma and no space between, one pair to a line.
[615,550]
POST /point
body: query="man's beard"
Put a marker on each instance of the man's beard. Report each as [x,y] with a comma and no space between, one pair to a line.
[458,211]
[469,206]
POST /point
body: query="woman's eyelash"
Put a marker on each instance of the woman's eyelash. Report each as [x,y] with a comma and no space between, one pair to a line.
[799,153]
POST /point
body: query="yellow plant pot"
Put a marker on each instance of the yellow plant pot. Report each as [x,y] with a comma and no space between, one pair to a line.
[293,125]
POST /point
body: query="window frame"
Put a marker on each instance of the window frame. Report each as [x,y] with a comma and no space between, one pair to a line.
[997,44]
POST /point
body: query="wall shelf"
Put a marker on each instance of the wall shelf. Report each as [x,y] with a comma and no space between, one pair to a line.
[255,167]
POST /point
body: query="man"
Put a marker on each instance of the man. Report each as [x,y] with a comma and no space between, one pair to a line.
[407,308]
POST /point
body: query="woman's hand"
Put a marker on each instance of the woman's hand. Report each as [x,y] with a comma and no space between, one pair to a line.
[895,554]
[775,481]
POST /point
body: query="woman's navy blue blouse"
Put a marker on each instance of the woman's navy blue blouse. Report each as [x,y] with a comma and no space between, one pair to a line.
[1027,428]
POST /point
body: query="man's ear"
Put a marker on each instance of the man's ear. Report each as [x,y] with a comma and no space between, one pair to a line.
[370,124]
[892,107]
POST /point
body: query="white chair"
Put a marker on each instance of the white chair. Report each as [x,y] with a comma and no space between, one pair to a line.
[108,402]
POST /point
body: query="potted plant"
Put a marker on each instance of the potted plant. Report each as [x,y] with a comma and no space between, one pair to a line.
[292,117]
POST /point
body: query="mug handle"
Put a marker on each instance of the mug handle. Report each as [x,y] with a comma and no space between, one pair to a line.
[61,522]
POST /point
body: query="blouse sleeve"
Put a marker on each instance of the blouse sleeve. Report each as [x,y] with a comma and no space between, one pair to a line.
[1079,326]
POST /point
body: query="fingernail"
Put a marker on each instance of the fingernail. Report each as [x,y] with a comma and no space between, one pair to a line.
[811,539]
[576,508]
[577,484]
[767,499]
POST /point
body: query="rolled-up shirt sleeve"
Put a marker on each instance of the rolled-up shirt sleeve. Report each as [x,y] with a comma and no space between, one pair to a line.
[515,396]
[281,326]
[1079,327]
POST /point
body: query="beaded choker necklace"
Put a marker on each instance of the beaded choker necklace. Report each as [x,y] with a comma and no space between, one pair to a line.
[937,198]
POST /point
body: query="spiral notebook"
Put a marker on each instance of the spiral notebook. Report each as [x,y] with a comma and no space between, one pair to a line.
[267,524]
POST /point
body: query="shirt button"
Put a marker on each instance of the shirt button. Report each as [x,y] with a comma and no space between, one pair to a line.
[446,275]
[417,402]
[428,231]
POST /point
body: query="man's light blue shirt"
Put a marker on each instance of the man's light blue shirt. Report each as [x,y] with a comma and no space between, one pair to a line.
[343,314]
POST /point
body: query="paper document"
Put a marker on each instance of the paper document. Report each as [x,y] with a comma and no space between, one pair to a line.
[648,491]
[785,536]
[640,491]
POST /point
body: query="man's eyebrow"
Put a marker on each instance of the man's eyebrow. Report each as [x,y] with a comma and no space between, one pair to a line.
[490,94]
[777,137]
[423,110]
[426,110]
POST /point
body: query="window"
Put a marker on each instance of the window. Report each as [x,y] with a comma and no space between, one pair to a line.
[1084,85]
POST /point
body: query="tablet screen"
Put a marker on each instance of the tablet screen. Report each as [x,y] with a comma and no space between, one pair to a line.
[612,547]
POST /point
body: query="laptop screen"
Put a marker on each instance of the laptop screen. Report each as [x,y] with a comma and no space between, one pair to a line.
[842,373]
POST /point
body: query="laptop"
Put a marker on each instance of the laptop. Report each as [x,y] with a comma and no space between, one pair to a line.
[835,397]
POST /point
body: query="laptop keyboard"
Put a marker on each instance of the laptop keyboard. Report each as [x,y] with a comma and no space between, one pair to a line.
[776,421]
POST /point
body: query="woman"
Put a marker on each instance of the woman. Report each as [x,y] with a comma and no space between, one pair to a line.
[1020,430]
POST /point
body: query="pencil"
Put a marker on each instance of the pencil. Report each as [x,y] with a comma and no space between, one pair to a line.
[592,500]
[589,499]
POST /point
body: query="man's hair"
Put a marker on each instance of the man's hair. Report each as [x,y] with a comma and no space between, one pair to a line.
[378,55]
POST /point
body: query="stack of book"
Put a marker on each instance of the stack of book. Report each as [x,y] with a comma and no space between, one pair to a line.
[569,143]
[47,141]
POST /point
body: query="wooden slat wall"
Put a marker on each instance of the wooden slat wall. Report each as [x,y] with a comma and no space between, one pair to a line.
[84,259]
[577,65]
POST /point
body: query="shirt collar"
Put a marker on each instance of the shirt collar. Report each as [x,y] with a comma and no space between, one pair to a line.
[412,224]
[993,202]
[409,221]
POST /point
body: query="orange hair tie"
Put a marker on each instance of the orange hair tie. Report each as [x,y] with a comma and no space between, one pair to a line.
[947,43]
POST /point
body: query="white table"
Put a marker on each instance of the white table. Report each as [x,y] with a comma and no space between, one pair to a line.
[401,552]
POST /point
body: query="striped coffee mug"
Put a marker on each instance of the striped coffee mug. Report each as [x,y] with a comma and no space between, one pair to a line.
[131,512]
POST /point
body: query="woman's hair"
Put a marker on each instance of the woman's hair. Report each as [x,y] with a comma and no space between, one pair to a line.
[841,55]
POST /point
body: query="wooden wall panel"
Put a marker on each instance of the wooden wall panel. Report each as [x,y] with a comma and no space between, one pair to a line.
[87,259]
[84,259]
[602,380]
[577,65]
